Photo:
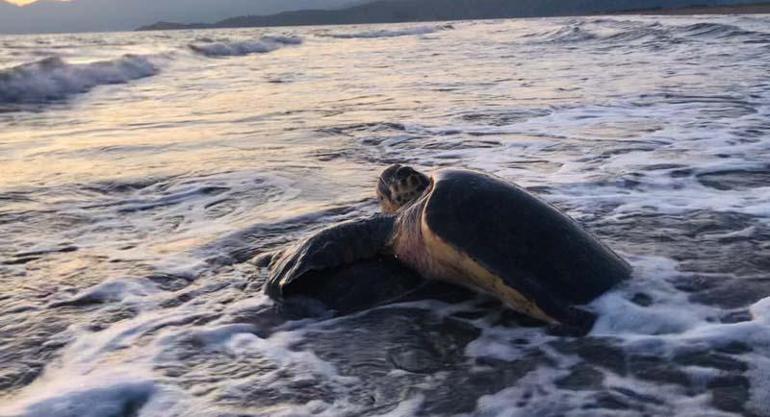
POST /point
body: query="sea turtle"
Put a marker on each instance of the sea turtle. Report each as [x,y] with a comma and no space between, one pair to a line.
[471,229]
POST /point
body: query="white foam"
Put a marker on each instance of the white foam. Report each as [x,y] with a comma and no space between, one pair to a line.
[53,78]
[101,373]
[97,401]
[671,324]
[111,290]
[284,39]
[265,44]
[277,349]
[388,33]
[532,395]
[537,394]
[761,310]
[759,376]
[406,408]
[104,394]
[672,313]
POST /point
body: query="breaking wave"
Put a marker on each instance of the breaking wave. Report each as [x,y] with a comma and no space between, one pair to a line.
[54,79]
[389,33]
[621,32]
[716,30]
[239,48]
[571,33]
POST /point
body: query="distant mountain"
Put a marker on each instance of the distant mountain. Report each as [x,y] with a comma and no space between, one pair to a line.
[115,15]
[174,26]
[388,11]
[749,8]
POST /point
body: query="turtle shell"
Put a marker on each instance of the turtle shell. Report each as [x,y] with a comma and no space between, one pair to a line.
[532,247]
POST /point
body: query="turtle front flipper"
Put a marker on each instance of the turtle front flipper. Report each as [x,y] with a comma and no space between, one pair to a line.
[337,245]
[266,259]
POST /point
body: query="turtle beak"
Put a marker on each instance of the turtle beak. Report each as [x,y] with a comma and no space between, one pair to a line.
[399,186]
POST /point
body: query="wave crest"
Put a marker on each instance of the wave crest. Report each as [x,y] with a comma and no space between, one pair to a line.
[567,34]
[389,33]
[716,30]
[55,79]
[239,48]
[619,33]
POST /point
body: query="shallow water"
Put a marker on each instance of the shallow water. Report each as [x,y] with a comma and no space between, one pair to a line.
[141,172]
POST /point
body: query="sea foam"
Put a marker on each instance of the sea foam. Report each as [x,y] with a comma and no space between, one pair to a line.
[389,33]
[239,48]
[54,79]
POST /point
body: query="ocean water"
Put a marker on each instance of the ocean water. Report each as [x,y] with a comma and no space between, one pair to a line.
[141,172]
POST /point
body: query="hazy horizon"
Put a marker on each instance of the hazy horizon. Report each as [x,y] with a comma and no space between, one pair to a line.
[58,16]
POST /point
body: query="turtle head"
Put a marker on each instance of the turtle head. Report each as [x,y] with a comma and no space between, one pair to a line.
[399,186]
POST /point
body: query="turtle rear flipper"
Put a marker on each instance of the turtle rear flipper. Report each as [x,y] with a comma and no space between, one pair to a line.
[576,322]
[337,245]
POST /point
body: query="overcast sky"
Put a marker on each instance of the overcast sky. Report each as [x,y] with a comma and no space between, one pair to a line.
[106,15]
